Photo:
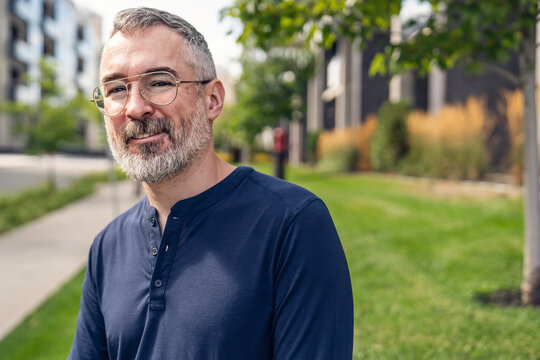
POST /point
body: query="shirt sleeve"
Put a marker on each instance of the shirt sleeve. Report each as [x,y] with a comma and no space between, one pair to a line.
[313,316]
[90,341]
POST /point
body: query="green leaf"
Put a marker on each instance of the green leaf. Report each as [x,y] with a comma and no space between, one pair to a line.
[378,65]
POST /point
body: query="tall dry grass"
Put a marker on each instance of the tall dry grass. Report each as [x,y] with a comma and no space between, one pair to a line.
[364,146]
[512,108]
[332,139]
[449,144]
[337,150]
[354,141]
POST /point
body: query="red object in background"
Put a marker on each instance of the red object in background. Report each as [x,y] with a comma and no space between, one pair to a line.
[280,141]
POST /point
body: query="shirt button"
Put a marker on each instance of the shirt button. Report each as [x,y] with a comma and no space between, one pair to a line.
[154,251]
[157,283]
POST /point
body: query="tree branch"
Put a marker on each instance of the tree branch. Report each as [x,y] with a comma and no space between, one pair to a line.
[501,71]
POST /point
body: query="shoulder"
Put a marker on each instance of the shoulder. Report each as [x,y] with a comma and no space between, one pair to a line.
[262,187]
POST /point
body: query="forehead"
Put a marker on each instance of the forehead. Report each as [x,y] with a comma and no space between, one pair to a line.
[135,53]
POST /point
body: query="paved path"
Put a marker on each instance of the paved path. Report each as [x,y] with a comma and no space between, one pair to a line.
[38,258]
[19,171]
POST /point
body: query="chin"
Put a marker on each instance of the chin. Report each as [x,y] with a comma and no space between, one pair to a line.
[148,150]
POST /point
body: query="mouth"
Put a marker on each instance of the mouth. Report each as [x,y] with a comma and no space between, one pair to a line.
[146,137]
[149,131]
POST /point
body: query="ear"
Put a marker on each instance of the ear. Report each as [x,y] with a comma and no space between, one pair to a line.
[214,98]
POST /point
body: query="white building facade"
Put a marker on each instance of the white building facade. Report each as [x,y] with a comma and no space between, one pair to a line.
[33,29]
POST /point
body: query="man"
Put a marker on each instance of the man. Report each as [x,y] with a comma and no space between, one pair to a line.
[216,262]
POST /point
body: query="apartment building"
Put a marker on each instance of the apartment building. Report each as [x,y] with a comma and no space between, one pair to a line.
[342,93]
[33,29]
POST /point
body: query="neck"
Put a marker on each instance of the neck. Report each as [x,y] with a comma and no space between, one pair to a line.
[205,172]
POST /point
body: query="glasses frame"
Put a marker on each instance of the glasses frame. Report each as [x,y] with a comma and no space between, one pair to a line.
[141,91]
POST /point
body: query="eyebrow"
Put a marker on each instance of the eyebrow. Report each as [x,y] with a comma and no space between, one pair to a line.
[119,76]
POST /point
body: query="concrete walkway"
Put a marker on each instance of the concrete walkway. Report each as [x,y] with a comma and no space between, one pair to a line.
[38,258]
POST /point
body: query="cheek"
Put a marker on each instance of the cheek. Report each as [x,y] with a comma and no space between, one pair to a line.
[112,127]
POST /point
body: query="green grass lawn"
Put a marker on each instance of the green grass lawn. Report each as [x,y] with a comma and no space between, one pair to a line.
[47,333]
[417,260]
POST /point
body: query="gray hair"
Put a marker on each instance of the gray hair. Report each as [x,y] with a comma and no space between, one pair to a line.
[198,55]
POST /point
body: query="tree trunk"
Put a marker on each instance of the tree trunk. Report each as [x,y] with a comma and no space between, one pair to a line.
[50,170]
[530,287]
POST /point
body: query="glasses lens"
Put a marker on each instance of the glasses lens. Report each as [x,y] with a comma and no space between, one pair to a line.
[159,88]
[98,98]
[115,94]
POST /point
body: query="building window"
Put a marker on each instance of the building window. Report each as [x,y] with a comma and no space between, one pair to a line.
[19,29]
[18,70]
[17,76]
[48,9]
[80,65]
[48,46]
[80,32]
[329,115]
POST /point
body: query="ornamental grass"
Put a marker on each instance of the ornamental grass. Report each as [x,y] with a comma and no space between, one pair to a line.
[347,149]
[511,107]
[450,143]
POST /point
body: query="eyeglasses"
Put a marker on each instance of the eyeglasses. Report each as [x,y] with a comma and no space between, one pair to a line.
[158,88]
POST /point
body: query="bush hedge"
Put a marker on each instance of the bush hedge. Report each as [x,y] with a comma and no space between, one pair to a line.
[390,143]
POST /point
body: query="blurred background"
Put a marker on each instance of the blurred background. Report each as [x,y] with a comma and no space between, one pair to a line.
[322,88]
[414,120]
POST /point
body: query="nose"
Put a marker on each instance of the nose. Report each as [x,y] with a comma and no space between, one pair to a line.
[137,107]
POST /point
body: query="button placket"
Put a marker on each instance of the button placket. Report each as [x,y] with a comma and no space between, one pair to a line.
[164,260]
[154,237]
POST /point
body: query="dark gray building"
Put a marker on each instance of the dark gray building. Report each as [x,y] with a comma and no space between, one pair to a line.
[342,94]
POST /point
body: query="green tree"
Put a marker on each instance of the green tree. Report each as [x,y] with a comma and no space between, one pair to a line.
[53,121]
[272,88]
[455,32]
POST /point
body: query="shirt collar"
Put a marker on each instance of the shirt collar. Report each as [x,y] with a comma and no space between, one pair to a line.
[206,198]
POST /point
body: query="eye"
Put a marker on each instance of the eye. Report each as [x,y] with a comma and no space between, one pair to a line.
[114,90]
[117,90]
[160,83]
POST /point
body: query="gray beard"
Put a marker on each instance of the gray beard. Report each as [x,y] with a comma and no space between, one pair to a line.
[150,163]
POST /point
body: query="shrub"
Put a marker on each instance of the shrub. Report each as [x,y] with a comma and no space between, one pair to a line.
[311,146]
[226,156]
[364,144]
[338,138]
[449,144]
[390,142]
[512,108]
[262,157]
[340,159]
[341,141]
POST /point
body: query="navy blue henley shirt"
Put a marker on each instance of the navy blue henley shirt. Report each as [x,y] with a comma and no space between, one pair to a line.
[252,268]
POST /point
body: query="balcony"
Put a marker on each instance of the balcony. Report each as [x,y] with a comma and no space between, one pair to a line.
[26,10]
[51,28]
[22,51]
[28,94]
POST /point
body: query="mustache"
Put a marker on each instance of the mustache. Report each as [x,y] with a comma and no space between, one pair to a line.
[146,126]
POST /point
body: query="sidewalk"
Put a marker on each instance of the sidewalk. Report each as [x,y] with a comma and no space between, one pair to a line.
[38,258]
